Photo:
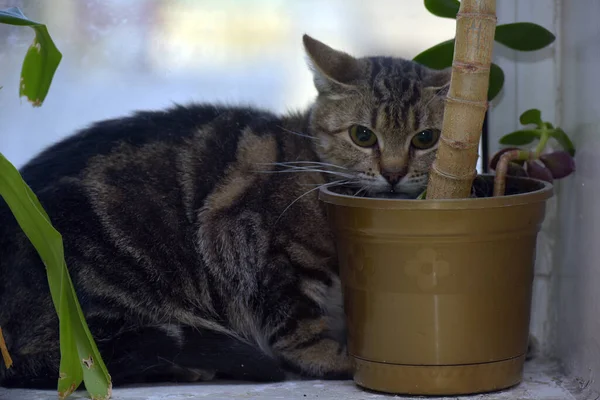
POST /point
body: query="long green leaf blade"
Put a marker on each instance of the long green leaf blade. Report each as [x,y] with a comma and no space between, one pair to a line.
[71,374]
[41,60]
[14,16]
[443,8]
[523,36]
[95,374]
[77,344]
[437,57]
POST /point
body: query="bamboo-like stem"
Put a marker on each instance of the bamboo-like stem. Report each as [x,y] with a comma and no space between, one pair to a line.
[502,167]
[454,169]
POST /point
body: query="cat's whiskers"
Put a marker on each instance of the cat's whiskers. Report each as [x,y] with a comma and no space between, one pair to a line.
[292,163]
[308,165]
[310,184]
[293,169]
[297,133]
[436,97]
[328,184]
[304,135]
[361,190]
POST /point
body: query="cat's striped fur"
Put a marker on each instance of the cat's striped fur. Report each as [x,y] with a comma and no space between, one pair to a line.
[195,238]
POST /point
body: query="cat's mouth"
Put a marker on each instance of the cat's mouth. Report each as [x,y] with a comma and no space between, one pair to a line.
[375,189]
[404,188]
[397,193]
[393,195]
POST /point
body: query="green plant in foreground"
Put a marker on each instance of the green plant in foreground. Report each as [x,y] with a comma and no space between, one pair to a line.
[534,163]
[521,36]
[80,358]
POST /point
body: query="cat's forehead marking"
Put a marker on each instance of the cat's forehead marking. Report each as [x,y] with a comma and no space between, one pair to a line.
[389,66]
[395,80]
[396,95]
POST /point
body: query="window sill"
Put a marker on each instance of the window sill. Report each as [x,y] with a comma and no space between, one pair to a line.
[542,380]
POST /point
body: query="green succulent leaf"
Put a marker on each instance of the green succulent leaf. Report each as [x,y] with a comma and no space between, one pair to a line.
[532,116]
[523,36]
[437,57]
[496,81]
[519,138]
[443,8]
[563,139]
[41,60]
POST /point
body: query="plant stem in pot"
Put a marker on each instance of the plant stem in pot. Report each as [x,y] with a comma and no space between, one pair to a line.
[454,169]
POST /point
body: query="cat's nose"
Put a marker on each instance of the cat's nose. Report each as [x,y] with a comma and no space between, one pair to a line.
[393,176]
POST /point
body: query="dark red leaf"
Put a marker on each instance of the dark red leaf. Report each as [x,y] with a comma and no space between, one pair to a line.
[560,163]
[538,171]
[515,169]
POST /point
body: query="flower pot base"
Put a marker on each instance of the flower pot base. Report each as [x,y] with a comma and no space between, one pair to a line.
[438,380]
[437,293]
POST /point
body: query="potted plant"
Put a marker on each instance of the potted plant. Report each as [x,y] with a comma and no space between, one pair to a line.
[437,291]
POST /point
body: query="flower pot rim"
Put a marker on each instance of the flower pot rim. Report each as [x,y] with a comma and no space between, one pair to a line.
[535,196]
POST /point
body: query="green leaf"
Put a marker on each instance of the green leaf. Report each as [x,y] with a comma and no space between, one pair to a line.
[523,36]
[496,81]
[441,55]
[519,138]
[71,374]
[563,139]
[423,195]
[76,342]
[437,57]
[41,60]
[443,8]
[532,116]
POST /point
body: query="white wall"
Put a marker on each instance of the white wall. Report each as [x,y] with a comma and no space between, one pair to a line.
[532,80]
[579,241]
[562,81]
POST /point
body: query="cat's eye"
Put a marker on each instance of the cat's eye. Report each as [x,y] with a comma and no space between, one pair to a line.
[425,139]
[362,136]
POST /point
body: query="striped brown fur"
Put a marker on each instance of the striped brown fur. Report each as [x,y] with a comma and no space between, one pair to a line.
[194,235]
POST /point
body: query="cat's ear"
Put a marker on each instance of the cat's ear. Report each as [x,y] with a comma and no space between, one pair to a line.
[332,69]
[438,81]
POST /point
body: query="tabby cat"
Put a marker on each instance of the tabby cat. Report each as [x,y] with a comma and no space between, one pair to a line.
[194,235]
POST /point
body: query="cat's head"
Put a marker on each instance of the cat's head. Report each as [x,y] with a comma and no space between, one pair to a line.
[378,118]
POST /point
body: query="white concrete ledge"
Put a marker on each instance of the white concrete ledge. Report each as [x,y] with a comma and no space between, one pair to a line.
[541,382]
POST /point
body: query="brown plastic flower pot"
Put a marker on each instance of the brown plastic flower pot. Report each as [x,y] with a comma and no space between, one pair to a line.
[437,293]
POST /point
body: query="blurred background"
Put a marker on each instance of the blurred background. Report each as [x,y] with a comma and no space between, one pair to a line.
[125,55]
